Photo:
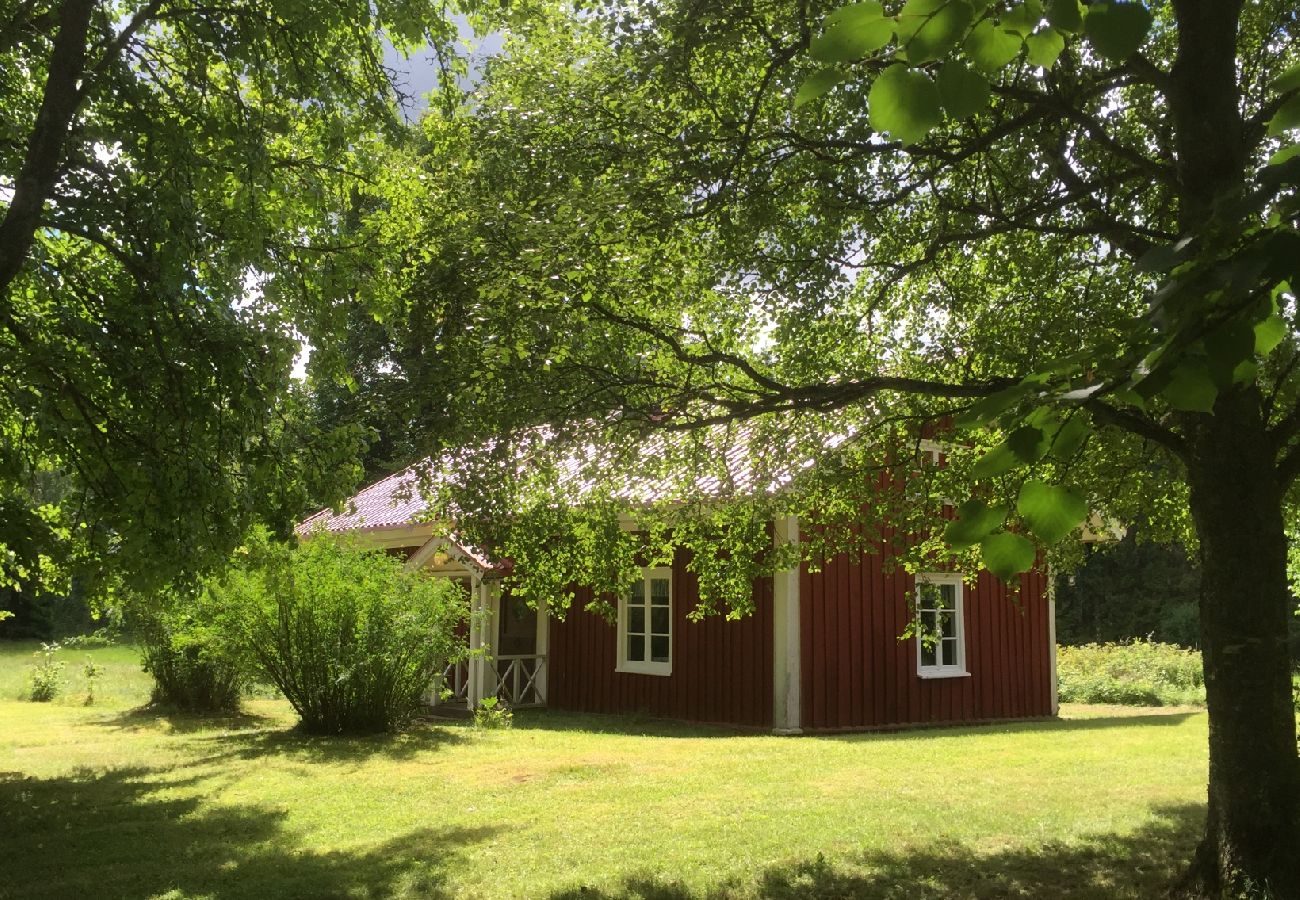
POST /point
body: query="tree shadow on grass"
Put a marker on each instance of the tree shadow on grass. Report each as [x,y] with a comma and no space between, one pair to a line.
[159,717]
[129,833]
[1026,726]
[632,725]
[248,735]
[296,744]
[1144,863]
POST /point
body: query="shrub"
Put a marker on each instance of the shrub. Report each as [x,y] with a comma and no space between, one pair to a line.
[105,636]
[1137,673]
[92,673]
[493,714]
[45,681]
[351,638]
[195,665]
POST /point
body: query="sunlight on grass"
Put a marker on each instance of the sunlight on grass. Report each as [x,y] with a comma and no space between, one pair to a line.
[126,802]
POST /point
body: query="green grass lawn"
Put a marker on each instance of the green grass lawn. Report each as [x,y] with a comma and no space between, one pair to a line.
[114,801]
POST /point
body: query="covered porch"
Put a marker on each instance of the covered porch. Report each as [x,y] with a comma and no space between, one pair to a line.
[507,638]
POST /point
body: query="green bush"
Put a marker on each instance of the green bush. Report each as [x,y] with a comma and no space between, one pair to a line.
[45,681]
[195,664]
[492,714]
[1137,673]
[351,638]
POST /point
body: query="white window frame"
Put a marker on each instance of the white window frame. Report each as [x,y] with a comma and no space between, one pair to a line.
[958,669]
[645,667]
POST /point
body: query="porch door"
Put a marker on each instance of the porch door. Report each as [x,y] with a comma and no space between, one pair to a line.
[517,631]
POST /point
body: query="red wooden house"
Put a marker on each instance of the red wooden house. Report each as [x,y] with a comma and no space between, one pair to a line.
[821,652]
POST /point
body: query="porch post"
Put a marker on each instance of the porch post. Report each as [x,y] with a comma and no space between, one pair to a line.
[542,647]
[786,664]
[482,638]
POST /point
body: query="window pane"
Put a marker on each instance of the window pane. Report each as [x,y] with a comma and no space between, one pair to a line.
[638,593]
[948,624]
[950,652]
[636,620]
[948,596]
[928,655]
[929,623]
[927,596]
[659,649]
[659,619]
[635,648]
[659,591]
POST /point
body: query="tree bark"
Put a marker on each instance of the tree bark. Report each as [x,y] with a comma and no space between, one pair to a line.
[1251,845]
[45,149]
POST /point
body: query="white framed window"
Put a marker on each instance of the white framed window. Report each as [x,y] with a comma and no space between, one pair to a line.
[645,624]
[941,626]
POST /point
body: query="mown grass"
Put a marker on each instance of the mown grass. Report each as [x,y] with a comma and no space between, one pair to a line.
[116,801]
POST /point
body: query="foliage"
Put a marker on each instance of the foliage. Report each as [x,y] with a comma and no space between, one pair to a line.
[92,672]
[350,637]
[1063,235]
[46,679]
[1127,589]
[180,208]
[492,714]
[1137,673]
[104,636]
[195,664]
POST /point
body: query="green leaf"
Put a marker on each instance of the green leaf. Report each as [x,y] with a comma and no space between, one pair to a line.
[989,408]
[1070,437]
[1269,333]
[1065,15]
[997,461]
[928,29]
[975,521]
[1190,387]
[818,84]
[1117,29]
[1284,154]
[1029,443]
[1007,555]
[904,103]
[1023,19]
[990,48]
[1286,118]
[963,91]
[851,32]
[1051,512]
[1227,348]
[855,14]
[1044,48]
[1287,81]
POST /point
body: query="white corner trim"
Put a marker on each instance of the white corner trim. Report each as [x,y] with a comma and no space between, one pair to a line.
[787,665]
[1051,638]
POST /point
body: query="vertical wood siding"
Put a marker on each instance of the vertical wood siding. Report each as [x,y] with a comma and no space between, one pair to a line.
[856,673]
[722,670]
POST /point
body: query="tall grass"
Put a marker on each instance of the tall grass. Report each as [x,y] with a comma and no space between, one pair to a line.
[1137,673]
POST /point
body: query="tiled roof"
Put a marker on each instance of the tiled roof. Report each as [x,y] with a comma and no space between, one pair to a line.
[395,500]
[733,468]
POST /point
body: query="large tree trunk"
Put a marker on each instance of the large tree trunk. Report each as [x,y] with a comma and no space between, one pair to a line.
[1252,834]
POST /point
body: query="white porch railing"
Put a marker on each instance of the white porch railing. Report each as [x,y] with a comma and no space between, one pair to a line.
[454,678]
[520,679]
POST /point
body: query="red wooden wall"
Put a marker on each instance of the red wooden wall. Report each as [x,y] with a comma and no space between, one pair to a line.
[722,670]
[856,673]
